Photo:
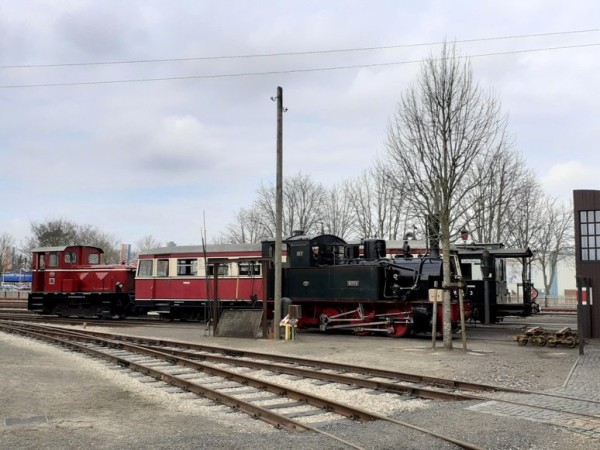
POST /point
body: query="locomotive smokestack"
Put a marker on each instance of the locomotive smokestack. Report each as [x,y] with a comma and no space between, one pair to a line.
[298,232]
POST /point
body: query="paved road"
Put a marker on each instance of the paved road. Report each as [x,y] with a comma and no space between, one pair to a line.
[582,382]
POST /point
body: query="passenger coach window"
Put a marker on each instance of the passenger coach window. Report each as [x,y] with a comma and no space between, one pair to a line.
[187,267]
[162,268]
[249,269]
[145,268]
[53,260]
[223,270]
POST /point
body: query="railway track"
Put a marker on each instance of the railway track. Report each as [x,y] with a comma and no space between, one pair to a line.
[13,303]
[19,315]
[262,390]
[270,382]
[482,333]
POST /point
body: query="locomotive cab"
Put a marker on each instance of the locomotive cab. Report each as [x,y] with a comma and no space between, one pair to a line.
[484,269]
[51,266]
[323,250]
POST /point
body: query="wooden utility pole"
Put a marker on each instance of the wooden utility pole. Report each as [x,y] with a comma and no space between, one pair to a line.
[278,216]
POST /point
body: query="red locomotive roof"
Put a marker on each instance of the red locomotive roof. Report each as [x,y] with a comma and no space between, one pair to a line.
[62,248]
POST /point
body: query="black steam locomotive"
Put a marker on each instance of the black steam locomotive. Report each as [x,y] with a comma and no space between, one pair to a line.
[356,287]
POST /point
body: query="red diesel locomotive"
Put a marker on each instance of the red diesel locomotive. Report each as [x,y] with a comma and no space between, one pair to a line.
[72,280]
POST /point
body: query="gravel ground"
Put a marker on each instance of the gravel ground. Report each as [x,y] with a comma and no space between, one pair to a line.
[66,400]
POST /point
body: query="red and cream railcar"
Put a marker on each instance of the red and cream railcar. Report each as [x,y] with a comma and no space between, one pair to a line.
[73,280]
[179,282]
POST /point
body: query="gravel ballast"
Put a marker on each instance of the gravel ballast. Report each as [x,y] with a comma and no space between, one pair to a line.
[51,398]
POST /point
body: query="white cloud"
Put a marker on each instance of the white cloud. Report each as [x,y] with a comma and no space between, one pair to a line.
[564,177]
[149,157]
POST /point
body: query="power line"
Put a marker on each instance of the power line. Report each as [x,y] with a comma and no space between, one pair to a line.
[313,52]
[284,72]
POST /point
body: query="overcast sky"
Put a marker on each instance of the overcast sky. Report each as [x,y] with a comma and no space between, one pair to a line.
[99,144]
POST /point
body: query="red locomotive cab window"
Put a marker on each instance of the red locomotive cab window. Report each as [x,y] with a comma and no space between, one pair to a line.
[53,259]
[71,258]
[93,258]
[42,261]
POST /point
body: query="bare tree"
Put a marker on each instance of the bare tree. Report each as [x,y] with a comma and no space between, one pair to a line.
[556,240]
[307,206]
[361,199]
[443,126]
[247,229]
[146,243]
[264,205]
[337,217]
[377,204]
[489,218]
[303,202]
[523,213]
[7,243]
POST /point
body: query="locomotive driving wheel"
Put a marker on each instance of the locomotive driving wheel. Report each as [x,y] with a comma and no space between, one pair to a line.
[396,329]
[359,319]
[325,317]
